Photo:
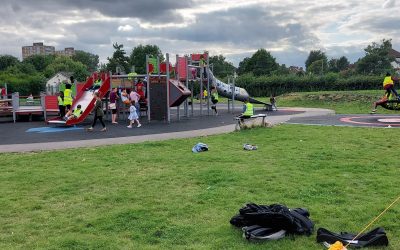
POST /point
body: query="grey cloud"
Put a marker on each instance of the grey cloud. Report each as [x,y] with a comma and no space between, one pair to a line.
[389,4]
[327,7]
[383,25]
[250,26]
[152,11]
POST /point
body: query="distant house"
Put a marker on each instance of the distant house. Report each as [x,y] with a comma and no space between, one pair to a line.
[296,70]
[54,82]
[396,62]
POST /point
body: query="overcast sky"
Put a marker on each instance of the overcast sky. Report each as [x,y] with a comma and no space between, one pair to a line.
[235,28]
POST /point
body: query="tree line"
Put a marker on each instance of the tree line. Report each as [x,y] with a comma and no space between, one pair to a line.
[30,74]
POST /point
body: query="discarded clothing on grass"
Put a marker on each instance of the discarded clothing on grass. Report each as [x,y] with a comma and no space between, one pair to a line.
[375,237]
[272,221]
[249,147]
[199,147]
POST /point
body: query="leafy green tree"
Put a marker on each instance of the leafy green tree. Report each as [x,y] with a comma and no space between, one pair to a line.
[243,68]
[21,68]
[40,62]
[282,70]
[118,59]
[318,67]
[27,68]
[7,61]
[221,67]
[66,64]
[376,60]
[260,63]
[137,57]
[90,60]
[316,55]
[337,65]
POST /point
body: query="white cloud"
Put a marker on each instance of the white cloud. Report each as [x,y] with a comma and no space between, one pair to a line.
[125,28]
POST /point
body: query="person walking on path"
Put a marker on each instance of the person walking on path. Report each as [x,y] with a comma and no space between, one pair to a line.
[113,105]
[98,113]
[214,99]
[133,117]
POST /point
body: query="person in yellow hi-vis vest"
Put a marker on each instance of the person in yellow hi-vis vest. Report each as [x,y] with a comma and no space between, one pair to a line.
[248,110]
[214,99]
[68,97]
[61,107]
[388,85]
[74,114]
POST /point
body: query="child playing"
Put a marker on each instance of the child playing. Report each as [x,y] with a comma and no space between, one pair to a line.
[61,107]
[388,85]
[133,116]
[272,100]
[125,97]
[74,114]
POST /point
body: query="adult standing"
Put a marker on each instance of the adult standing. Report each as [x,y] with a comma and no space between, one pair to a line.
[98,113]
[113,105]
[134,96]
[68,97]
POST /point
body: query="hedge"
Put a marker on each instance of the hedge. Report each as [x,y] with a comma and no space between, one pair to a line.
[277,85]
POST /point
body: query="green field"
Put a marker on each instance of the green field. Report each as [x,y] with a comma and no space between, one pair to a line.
[343,102]
[159,195]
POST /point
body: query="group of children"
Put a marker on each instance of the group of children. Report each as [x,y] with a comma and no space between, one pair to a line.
[65,99]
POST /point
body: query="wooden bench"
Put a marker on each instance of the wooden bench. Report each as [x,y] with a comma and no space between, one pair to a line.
[240,120]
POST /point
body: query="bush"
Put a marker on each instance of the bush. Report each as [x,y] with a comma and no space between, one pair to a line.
[277,85]
[23,83]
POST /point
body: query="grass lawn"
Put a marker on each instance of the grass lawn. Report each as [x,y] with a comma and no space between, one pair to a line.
[343,102]
[159,195]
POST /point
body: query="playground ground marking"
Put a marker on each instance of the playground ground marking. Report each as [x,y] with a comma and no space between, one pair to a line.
[52,129]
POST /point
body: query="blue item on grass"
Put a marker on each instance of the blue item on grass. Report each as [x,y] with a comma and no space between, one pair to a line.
[200,147]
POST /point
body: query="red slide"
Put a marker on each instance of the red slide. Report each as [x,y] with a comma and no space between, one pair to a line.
[86,99]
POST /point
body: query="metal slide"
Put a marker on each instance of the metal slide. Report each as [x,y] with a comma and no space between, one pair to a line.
[86,99]
[225,90]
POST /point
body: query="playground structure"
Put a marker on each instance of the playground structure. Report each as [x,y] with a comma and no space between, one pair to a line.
[157,97]
[86,99]
[22,105]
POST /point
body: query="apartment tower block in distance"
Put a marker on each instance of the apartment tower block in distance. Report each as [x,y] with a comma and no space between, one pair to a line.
[66,52]
[37,49]
[40,49]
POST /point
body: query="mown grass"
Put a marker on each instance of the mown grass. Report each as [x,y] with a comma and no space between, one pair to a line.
[160,195]
[343,102]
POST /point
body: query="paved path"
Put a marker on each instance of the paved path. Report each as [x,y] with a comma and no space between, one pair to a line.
[363,120]
[18,140]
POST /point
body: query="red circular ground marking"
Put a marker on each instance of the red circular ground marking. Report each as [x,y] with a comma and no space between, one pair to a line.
[353,120]
[390,120]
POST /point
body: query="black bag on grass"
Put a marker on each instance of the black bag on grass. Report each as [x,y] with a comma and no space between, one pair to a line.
[275,216]
[376,237]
